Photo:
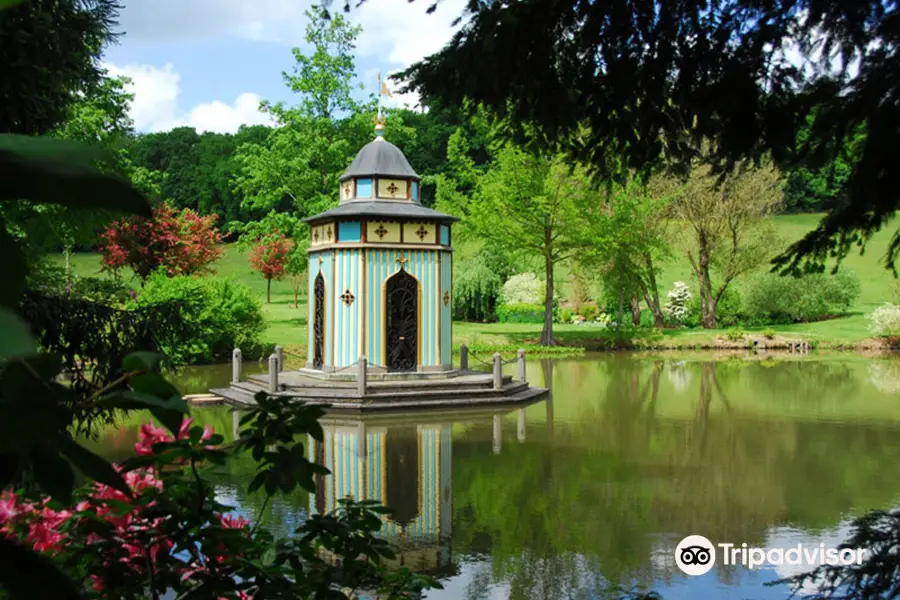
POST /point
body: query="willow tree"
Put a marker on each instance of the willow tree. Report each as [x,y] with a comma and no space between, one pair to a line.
[729,235]
[538,205]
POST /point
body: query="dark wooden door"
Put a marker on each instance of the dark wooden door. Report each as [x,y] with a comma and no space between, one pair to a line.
[319,323]
[402,322]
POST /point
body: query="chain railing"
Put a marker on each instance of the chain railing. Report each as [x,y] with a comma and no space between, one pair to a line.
[276,365]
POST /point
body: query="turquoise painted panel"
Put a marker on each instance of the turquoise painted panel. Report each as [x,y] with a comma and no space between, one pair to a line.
[346,332]
[415,190]
[348,231]
[363,188]
[446,311]
[445,235]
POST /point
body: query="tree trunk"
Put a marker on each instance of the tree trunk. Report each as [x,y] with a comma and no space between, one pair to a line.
[651,296]
[268,291]
[547,332]
[707,301]
[635,310]
[620,311]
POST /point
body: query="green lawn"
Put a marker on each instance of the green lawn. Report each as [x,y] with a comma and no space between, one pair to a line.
[287,325]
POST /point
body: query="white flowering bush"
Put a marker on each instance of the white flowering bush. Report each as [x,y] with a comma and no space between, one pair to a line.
[524,288]
[678,304]
[885,322]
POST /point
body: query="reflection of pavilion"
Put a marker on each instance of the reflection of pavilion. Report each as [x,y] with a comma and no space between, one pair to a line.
[405,466]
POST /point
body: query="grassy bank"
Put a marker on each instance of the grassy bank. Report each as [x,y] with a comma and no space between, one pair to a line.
[287,324]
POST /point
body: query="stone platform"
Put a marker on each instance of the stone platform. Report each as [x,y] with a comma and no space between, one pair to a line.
[464,388]
[357,390]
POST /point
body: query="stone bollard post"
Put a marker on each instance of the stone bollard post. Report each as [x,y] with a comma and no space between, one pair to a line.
[464,357]
[273,373]
[361,376]
[498,371]
[236,423]
[279,353]
[520,425]
[236,365]
[521,361]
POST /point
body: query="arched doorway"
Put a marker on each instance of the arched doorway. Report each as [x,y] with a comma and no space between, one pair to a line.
[402,336]
[319,323]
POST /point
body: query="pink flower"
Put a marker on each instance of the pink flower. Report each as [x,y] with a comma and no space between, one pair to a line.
[150,436]
[42,536]
[139,481]
[234,522]
[10,507]
[98,584]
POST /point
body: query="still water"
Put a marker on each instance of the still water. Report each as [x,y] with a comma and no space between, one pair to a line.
[598,484]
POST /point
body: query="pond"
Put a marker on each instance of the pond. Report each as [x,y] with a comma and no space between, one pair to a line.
[598,484]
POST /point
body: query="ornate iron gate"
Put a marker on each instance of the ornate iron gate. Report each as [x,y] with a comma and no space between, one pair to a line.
[319,323]
[402,322]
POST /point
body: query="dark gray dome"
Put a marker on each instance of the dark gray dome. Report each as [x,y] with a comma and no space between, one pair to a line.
[379,158]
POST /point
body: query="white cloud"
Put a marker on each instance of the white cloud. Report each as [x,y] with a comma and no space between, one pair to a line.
[155,105]
[398,32]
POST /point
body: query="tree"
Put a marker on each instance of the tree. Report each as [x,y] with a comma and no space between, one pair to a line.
[181,242]
[40,81]
[298,167]
[637,73]
[537,205]
[631,256]
[725,217]
[270,256]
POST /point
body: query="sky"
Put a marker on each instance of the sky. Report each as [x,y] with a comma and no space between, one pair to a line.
[208,63]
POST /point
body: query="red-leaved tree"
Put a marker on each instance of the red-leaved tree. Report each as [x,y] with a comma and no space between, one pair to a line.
[270,256]
[182,242]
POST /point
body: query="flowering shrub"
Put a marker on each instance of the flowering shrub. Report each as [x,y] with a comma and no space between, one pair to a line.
[524,288]
[180,242]
[885,322]
[171,535]
[678,304]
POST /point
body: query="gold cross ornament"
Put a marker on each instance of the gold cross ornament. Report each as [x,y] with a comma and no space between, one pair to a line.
[402,261]
[422,232]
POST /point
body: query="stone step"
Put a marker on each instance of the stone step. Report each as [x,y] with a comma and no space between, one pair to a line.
[241,399]
[249,389]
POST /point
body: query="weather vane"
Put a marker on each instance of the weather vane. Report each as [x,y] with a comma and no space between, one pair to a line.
[382,92]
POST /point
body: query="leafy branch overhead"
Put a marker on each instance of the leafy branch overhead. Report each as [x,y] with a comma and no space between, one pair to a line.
[650,80]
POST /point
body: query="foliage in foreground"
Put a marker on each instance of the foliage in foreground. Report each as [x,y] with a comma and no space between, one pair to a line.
[168,534]
[222,314]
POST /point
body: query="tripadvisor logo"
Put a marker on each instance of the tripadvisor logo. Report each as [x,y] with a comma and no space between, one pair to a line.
[695,555]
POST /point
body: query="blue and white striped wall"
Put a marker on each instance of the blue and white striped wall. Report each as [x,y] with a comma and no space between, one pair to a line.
[363,324]
[364,477]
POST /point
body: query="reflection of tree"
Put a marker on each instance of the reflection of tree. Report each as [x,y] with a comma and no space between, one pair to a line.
[628,466]
[678,375]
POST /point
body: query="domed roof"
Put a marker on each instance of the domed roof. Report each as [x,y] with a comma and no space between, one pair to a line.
[379,158]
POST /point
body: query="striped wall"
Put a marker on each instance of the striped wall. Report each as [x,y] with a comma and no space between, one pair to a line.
[365,478]
[446,311]
[348,328]
[381,265]
[314,269]
[360,328]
